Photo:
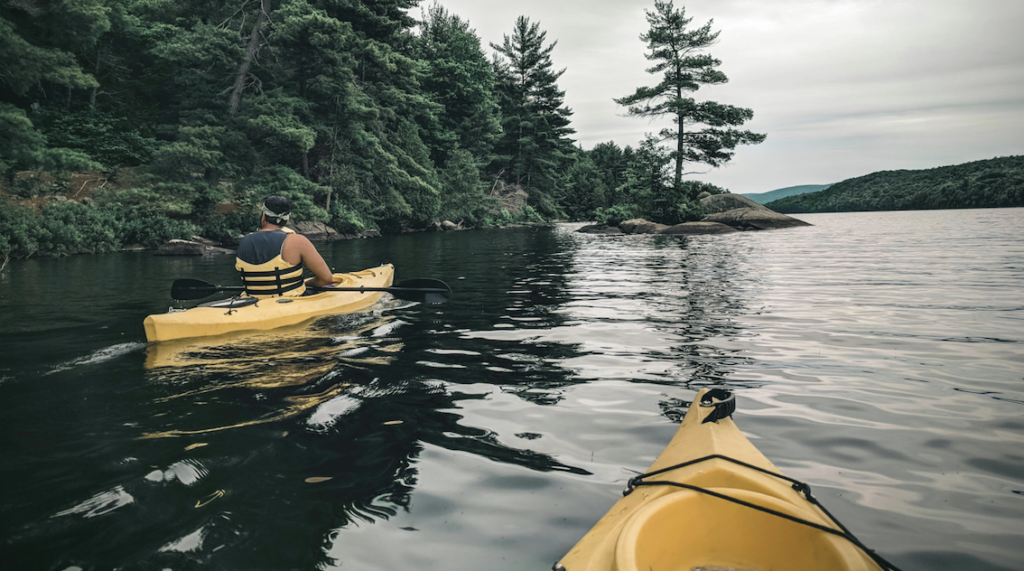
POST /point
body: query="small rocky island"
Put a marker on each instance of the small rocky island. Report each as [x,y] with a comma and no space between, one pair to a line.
[726,213]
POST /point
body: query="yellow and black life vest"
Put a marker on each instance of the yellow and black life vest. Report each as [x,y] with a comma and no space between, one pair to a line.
[274,277]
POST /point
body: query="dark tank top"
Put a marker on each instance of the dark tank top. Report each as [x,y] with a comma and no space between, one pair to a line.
[261,247]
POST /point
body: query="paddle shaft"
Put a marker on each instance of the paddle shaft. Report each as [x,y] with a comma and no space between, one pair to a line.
[358,289]
[419,289]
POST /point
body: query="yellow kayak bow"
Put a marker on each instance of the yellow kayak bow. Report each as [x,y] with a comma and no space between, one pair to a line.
[713,502]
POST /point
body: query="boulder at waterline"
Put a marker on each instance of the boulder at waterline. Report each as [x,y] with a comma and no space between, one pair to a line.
[321,231]
[600,229]
[641,226]
[742,213]
[702,227]
[190,248]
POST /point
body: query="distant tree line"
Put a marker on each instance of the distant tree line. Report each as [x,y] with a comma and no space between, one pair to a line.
[993,183]
[366,117]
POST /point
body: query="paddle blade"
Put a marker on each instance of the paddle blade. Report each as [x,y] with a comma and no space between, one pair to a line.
[187,289]
[423,290]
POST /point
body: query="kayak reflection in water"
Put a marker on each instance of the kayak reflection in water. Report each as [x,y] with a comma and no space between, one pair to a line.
[271,259]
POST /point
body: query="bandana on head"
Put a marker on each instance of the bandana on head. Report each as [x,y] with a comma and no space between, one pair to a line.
[271,214]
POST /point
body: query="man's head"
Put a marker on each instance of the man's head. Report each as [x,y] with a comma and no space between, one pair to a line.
[276,210]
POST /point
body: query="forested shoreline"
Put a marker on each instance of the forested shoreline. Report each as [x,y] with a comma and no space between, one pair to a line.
[993,183]
[132,122]
[187,113]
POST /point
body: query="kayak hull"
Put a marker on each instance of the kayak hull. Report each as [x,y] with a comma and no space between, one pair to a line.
[270,313]
[669,528]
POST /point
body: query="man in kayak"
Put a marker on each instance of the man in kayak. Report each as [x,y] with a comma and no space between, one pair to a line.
[271,259]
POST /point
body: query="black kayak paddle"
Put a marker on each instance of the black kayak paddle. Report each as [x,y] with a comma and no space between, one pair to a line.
[424,290]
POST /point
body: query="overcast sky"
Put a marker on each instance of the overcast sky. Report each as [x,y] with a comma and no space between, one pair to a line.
[842,88]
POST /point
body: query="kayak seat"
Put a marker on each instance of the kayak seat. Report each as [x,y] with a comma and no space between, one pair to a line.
[686,530]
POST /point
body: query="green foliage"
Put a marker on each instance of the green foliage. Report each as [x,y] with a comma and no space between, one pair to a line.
[459,77]
[164,199]
[69,227]
[23,147]
[147,228]
[61,162]
[283,181]
[464,196]
[617,214]
[648,191]
[272,122]
[105,138]
[66,227]
[19,230]
[586,190]
[535,147]
[20,142]
[28,58]
[196,154]
[611,162]
[687,210]
[346,220]
[337,104]
[994,183]
[504,217]
[692,189]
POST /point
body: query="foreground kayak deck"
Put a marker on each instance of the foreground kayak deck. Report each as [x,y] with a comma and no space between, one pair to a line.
[269,313]
[664,527]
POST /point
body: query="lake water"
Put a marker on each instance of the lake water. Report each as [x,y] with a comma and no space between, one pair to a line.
[877,356]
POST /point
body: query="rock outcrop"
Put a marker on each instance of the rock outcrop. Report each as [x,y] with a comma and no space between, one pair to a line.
[600,229]
[641,226]
[191,248]
[316,231]
[445,226]
[322,232]
[742,213]
[726,213]
[702,227]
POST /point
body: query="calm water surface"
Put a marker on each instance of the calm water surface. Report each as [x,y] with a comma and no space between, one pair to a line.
[880,357]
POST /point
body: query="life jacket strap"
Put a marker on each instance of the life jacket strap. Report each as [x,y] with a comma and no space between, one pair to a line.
[272,273]
[256,283]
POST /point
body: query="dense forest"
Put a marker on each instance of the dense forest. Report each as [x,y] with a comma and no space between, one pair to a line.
[131,122]
[993,183]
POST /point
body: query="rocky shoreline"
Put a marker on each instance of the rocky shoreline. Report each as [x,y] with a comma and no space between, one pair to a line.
[316,231]
[726,213]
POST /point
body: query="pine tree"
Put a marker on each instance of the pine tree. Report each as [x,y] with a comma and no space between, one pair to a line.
[461,79]
[536,145]
[704,131]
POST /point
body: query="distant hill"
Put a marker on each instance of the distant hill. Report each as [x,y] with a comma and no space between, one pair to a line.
[995,183]
[766,197]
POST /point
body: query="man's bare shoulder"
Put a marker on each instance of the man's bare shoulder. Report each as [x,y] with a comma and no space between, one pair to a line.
[298,239]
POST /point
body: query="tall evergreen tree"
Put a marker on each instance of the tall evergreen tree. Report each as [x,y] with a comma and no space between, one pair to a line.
[461,79]
[704,131]
[585,191]
[33,57]
[536,145]
[37,64]
[611,161]
[381,132]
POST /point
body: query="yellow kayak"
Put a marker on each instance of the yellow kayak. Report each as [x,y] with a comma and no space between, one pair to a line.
[713,502]
[247,314]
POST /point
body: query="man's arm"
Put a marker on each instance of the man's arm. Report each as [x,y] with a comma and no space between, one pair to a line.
[313,260]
